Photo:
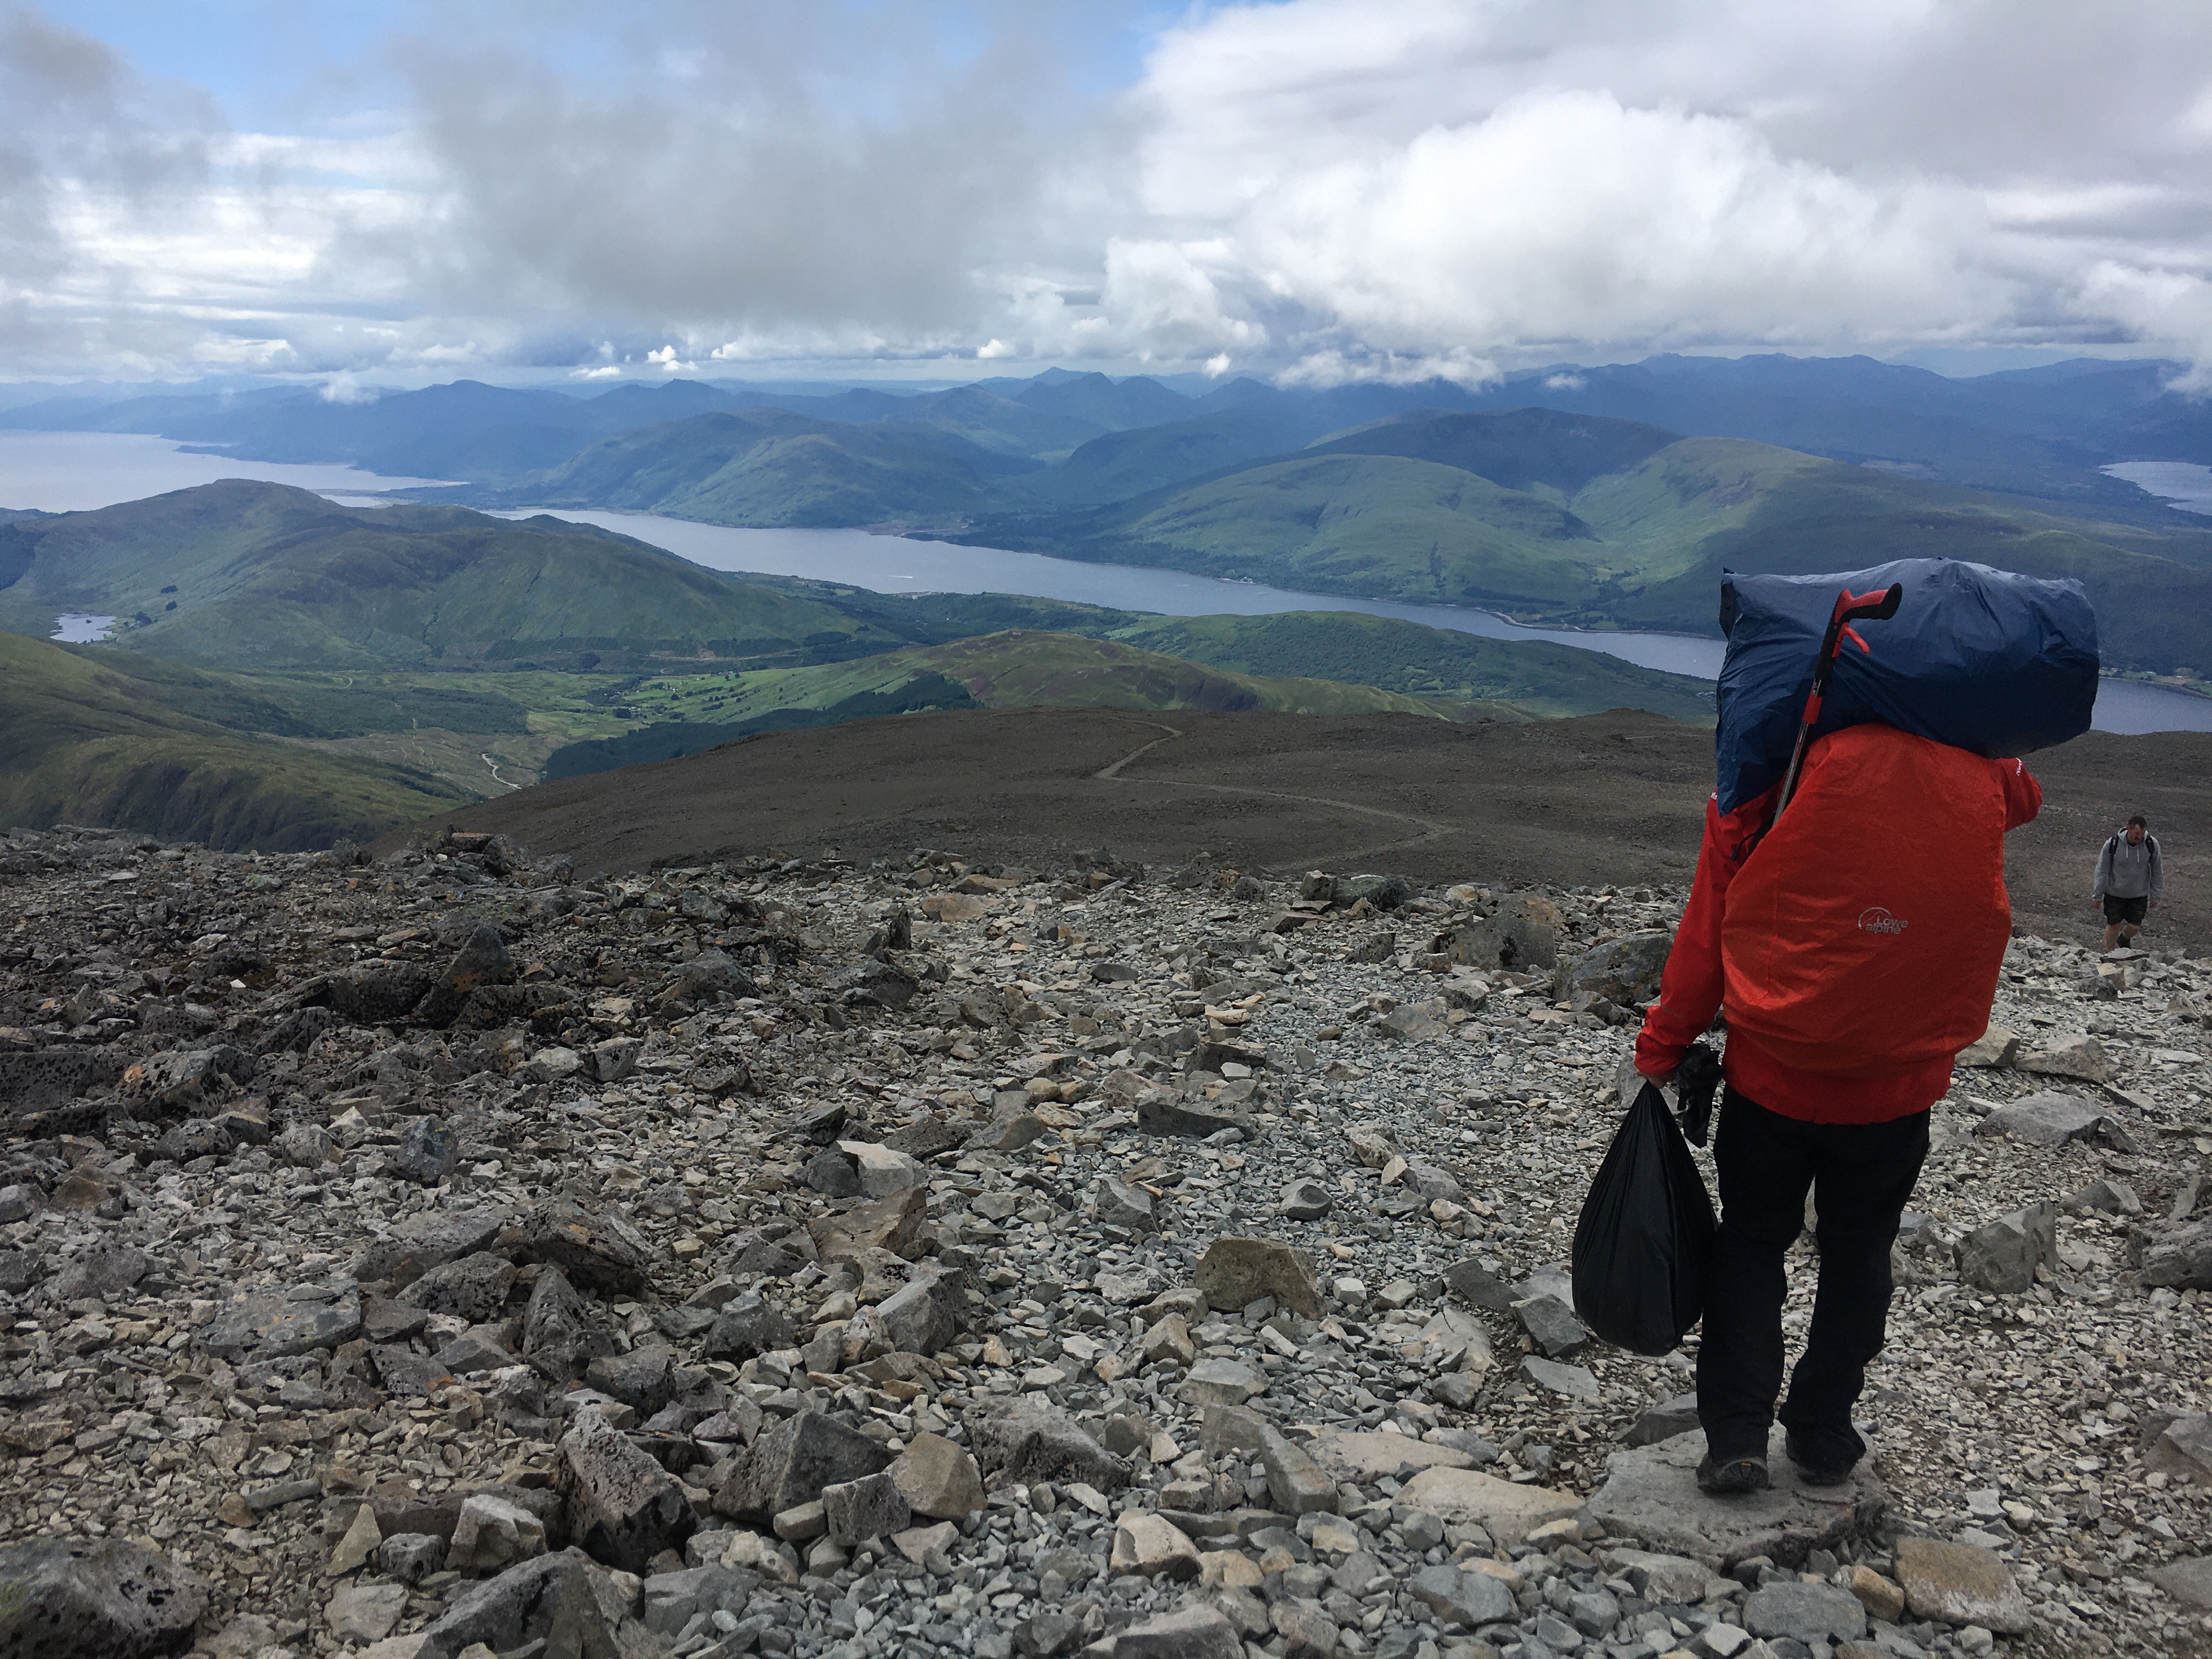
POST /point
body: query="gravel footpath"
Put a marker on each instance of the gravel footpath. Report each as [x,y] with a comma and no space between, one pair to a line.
[435,1253]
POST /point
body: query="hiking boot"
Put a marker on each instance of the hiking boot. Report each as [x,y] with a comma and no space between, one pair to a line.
[1732,1478]
[1817,1468]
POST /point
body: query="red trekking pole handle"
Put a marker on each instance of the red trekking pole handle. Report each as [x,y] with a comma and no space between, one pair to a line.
[1849,608]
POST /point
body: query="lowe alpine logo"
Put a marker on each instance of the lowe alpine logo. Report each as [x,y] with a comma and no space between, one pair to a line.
[1879,921]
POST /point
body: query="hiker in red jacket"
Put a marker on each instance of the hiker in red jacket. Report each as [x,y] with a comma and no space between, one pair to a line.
[1850,949]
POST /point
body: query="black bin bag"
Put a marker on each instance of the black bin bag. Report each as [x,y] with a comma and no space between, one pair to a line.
[1645,1235]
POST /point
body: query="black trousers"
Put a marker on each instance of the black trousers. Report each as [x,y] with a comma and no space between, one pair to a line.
[1860,1176]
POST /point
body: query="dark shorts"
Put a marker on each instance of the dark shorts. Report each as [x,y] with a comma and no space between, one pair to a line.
[2118,911]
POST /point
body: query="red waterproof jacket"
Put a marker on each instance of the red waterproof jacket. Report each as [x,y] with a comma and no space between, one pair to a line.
[1855,948]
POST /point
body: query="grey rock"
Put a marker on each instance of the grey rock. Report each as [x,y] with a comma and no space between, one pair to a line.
[1476,1285]
[475,1349]
[376,992]
[1552,1325]
[1961,1584]
[641,1379]
[482,960]
[1030,1440]
[2175,1254]
[1663,1421]
[939,1479]
[18,1203]
[1304,1200]
[430,1154]
[873,984]
[2002,1256]
[106,1270]
[410,1557]
[1462,1600]
[365,1612]
[1194,1632]
[62,1598]
[305,1146]
[832,1174]
[1523,933]
[560,1335]
[1805,1613]
[473,1288]
[1160,1112]
[566,1594]
[2188,1581]
[623,1507]
[1047,1635]
[1219,1382]
[2049,1119]
[273,1325]
[870,1507]
[1625,970]
[1235,1273]
[1575,1382]
[420,1242]
[1120,1204]
[2111,1195]
[1649,1497]
[1295,1483]
[926,1316]
[749,1326]
[602,1254]
[2183,1449]
[1384,892]
[790,1464]
[672,1600]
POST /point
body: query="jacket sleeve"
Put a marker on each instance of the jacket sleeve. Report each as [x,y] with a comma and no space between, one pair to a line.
[1690,989]
[2157,872]
[2103,871]
[2023,795]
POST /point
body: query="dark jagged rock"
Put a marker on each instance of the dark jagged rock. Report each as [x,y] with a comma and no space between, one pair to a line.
[66,1598]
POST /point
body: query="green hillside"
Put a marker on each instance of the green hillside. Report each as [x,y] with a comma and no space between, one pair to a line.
[1582,520]
[85,736]
[266,575]
[772,469]
[1009,669]
[1534,675]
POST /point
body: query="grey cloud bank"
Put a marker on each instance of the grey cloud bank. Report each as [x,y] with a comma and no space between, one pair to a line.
[1320,189]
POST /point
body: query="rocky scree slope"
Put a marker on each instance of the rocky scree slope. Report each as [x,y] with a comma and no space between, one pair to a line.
[436,1256]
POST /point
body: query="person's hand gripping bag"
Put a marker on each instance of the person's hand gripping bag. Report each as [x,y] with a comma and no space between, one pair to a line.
[1645,1235]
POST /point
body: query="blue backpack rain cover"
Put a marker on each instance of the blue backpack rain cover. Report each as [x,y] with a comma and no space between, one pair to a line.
[1986,660]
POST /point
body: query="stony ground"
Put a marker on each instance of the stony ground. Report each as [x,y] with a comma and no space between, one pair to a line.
[374,1230]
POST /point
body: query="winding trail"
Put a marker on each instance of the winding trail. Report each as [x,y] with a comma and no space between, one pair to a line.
[493,767]
[1428,830]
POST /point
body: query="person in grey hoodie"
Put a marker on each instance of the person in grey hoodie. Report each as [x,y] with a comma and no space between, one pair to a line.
[2130,875]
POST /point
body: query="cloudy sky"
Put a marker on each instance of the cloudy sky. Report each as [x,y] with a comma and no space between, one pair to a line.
[1316,189]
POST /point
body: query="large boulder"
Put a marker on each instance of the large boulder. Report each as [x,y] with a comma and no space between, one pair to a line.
[791,1463]
[2176,1254]
[602,1253]
[560,1335]
[1961,1584]
[1028,1440]
[1235,1273]
[623,1507]
[567,1601]
[64,1598]
[1650,1497]
[1521,934]
[1625,970]
[482,960]
[419,1243]
[2003,1255]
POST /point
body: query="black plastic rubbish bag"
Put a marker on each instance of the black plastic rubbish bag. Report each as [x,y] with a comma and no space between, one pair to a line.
[1645,1235]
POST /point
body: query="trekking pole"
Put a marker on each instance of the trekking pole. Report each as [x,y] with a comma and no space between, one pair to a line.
[1849,607]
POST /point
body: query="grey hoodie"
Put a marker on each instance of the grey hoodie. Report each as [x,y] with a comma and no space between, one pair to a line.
[2129,871]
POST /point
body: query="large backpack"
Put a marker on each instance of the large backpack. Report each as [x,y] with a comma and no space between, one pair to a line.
[1864,934]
